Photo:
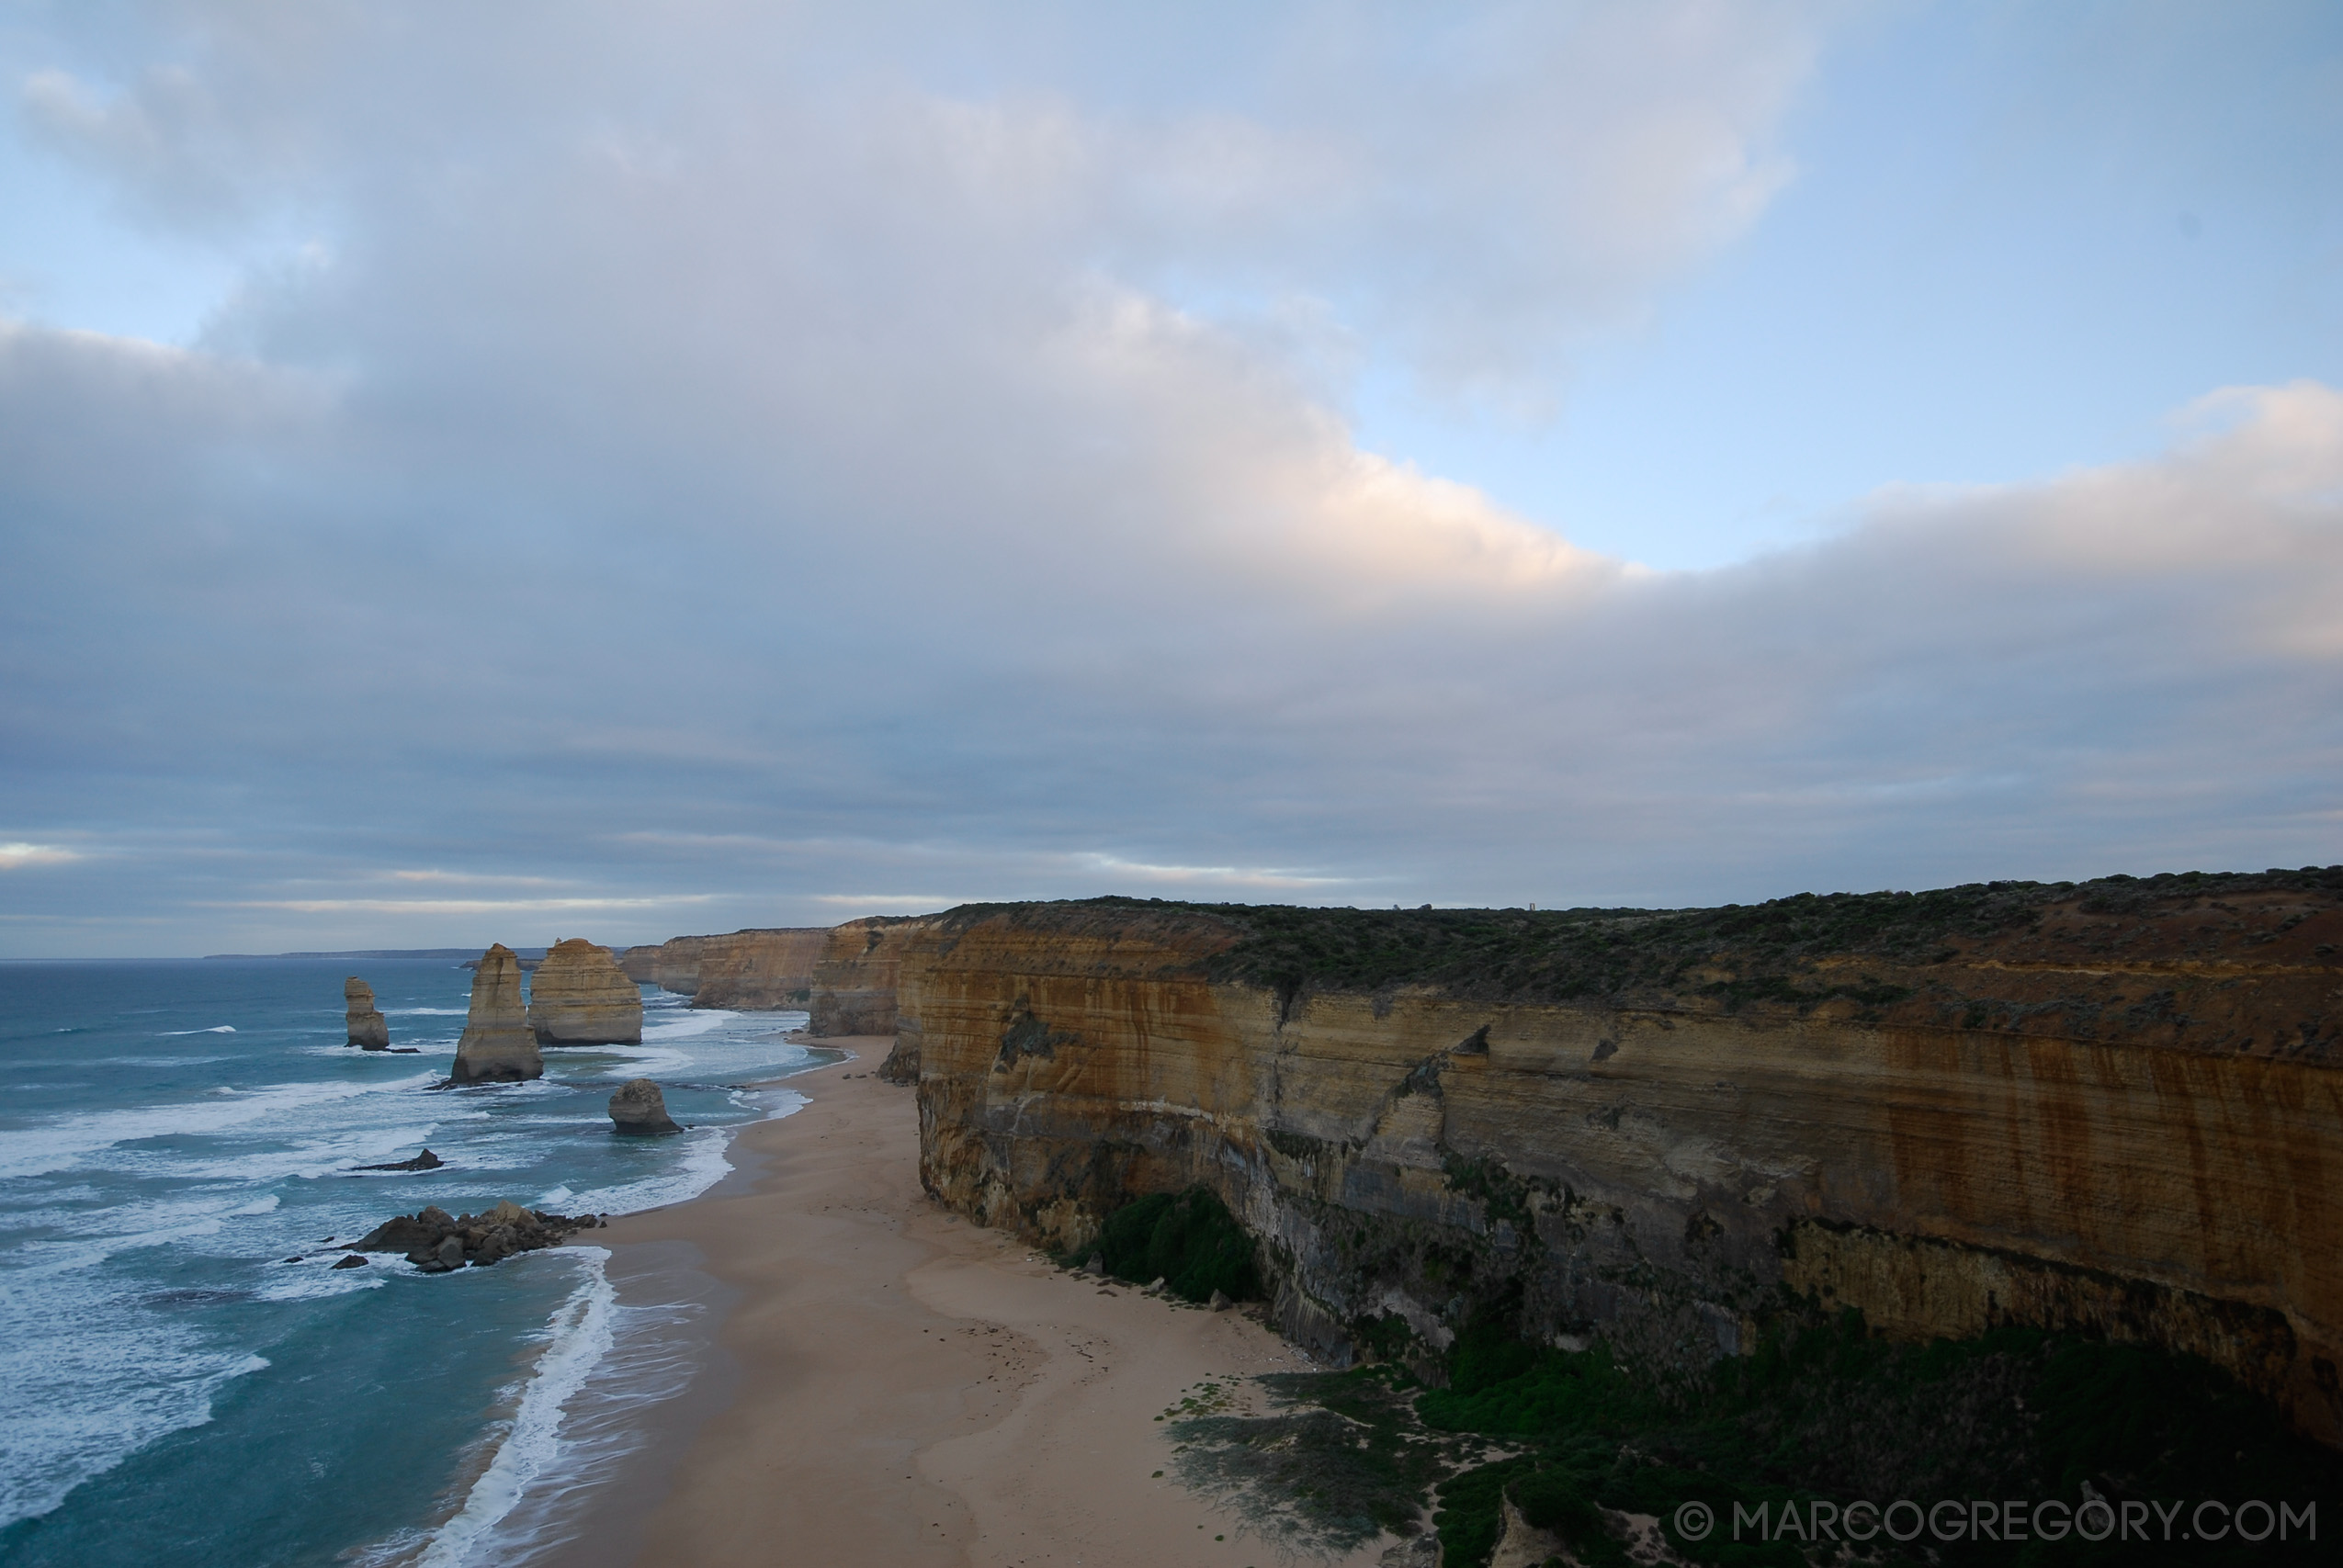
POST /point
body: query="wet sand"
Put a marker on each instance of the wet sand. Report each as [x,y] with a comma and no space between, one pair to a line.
[890,1384]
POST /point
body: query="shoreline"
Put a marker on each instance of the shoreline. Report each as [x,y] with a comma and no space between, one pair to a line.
[879,1380]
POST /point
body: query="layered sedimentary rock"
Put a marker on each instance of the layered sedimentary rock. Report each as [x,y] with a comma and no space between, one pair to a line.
[498,1045]
[857,984]
[756,970]
[579,996]
[672,965]
[759,970]
[2115,1108]
[367,1027]
[639,1109]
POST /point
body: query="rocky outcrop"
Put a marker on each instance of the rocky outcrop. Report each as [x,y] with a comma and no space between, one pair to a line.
[435,1241]
[424,1161]
[367,1027]
[2116,1108]
[498,1046]
[579,996]
[640,1110]
[858,983]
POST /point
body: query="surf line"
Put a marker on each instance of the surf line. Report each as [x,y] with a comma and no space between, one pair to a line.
[583,1332]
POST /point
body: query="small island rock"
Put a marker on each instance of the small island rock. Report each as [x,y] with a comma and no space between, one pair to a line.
[641,1110]
[498,1045]
[436,1242]
[579,996]
[424,1161]
[369,1028]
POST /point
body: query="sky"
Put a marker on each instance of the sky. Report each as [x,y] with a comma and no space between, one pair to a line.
[502,473]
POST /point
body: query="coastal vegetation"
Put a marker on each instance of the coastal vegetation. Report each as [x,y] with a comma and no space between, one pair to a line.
[1564,955]
[1822,1412]
[1189,1240]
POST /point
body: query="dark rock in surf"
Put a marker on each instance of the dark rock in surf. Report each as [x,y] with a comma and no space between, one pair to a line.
[437,1242]
[424,1161]
[354,1261]
[640,1110]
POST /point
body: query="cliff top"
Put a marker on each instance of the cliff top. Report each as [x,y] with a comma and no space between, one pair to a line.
[2139,956]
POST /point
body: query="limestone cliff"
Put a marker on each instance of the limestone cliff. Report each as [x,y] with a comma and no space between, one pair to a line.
[498,1046]
[580,997]
[673,965]
[367,1027]
[757,970]
[2117,1107]
[857,983]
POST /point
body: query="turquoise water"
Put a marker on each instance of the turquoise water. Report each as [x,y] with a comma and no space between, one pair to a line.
[183,1376]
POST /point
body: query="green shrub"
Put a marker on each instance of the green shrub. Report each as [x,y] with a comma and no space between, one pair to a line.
[1189,1240]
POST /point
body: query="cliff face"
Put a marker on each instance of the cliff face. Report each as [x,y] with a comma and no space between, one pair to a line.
[857,984]
[580,997]
[2116,1108]
[749,970]
[759,970]
[498,1046]
[673,965]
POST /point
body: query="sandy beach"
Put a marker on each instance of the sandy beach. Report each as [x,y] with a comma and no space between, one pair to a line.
[887,1384]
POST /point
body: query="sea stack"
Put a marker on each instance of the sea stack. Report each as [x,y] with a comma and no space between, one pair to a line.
[640,1110]
[579,996]
[498,1045]
[369,1028]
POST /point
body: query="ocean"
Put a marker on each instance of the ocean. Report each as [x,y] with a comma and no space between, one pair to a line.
[185,1379]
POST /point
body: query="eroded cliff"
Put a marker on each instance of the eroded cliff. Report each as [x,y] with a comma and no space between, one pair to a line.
[758,970]
[2116,1107]
[857,986]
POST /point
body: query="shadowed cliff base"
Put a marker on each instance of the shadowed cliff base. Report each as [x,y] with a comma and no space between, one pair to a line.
[2103,1110]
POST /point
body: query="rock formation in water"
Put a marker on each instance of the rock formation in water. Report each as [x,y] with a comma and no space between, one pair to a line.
[435,1241]
[424,1161]
[369,1028]
[579,996]
[498,1046]
[2114,1108]
[640,1110]
[754,971]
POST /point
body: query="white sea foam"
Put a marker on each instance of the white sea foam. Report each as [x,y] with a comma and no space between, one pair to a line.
[695,1022]
[647,1060]
[653,1356]
[70,1140]
[313,1281]
[703,1164]
[581,1337]
[76,1337]
[215,1029]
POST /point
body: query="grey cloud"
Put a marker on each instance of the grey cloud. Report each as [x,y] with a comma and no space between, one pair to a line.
[672,511]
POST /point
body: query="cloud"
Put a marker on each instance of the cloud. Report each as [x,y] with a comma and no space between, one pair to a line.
[17,852]
[720,455]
